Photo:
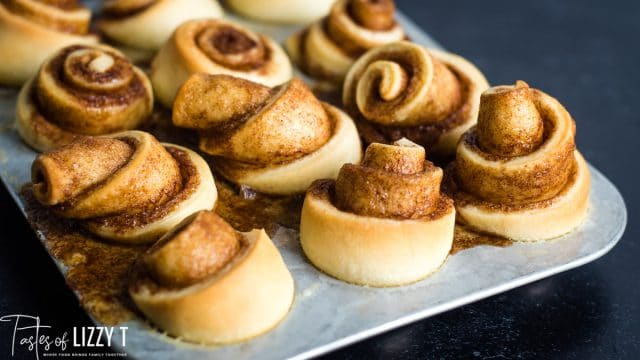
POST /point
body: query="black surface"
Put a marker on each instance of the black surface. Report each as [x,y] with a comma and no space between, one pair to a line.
[586,54]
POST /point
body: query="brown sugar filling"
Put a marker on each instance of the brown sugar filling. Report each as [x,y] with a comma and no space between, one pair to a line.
[324,190]
[425,135]
[124,95]
[233,48]
[463,198]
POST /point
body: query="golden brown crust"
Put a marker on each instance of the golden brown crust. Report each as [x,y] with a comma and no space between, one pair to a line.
[392,182]
[250,123]
[255,130]
[389,207]
[217,47]
[537,175]
[520,161]
[82,90]
[404,90]
[193,253]
[533,221]
[236,287]
[31,30]
[327,48]
[123,187]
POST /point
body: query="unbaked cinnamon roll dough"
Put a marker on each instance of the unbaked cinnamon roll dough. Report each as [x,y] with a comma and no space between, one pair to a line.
[206,283]
[81,91]
[140,27]
[273,140]
[518,174]
[382,223]
[217,47]
[31,30]
[405,90]
[125,187]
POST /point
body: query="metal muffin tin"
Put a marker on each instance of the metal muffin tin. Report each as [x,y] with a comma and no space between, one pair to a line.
[327,313]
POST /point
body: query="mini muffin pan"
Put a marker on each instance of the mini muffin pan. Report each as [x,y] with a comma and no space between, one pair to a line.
[327,313]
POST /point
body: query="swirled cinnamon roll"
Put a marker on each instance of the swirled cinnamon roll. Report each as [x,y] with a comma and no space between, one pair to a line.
[31,30]
[125,187]
[282,11]
[327,49]
[405,90]
[81,91]
[205,282]
[518,174]
[273,140]
[217,47]
[140,27]
[382,223]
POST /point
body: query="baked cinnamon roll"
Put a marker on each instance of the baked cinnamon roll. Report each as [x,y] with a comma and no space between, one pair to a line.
[382,223]
[31,30]
[204,282]
[217,47]
[80,91]
[518,174]
[125,187]
[140,27]
[405,90]
[273,140]
[282,11]
[327,49]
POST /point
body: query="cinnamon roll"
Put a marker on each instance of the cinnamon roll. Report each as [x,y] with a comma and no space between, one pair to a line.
[204,282]
[217,47]
[82,90]
[517,173]
[327,49]
[405,90]
[141,27]
[282,11]
[31,30]
[125,187]
[273,140]
[382,223]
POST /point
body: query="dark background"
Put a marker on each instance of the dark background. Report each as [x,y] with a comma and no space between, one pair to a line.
[586,54]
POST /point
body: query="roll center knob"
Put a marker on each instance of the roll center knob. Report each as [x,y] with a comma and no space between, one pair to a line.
[101,63]
[509,123]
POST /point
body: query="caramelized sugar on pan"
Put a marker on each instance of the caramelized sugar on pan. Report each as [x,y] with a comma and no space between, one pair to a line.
[465,238]
[97,271]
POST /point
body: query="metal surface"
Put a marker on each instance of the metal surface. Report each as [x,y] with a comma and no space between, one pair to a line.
[328,313]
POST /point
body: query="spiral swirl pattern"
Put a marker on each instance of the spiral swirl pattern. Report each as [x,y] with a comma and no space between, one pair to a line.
[141,27]
[381,223]
[404,90]
[275,140]
[518,173]
[217,47]
[205,282]
[31,30]
[393,181]
[522,149]
[127,187]
[327,49]
[82,90]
